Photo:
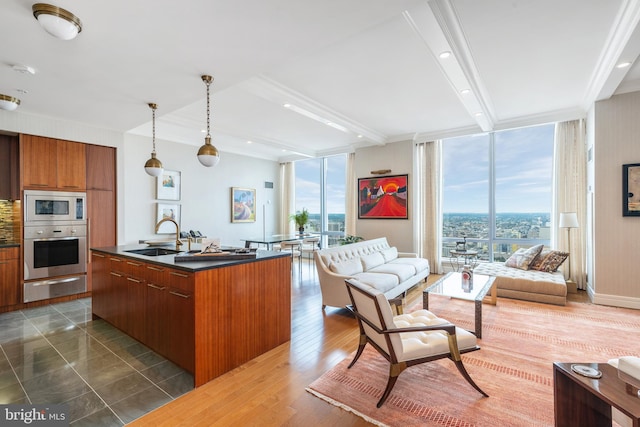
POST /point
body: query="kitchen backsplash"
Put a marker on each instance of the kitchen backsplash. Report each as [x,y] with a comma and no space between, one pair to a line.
[9,221]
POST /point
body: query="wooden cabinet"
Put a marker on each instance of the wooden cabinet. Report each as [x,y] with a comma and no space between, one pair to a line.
[100,292]
[9,168]
[9,277]
[181,327]
[101,167]
[135,305]
[156,308]
[53,164]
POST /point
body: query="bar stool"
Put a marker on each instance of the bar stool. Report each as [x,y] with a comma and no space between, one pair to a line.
[295,248]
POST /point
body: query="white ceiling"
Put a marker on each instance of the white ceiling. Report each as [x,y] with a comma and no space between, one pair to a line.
[368,67]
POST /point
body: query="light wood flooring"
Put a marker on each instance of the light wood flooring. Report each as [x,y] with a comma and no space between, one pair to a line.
[270,390]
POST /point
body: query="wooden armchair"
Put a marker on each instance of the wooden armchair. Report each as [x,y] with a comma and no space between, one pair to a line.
[407,339]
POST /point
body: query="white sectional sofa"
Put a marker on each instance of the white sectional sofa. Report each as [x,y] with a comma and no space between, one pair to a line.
[372,262]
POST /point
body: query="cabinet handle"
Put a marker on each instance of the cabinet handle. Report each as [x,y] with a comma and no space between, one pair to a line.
[131,279]
[70,186]
[115,274]
[135,264]
[4,262]
[178,294]
[155,268]
[116,260]
[160,288]
[98,255]
[180,274]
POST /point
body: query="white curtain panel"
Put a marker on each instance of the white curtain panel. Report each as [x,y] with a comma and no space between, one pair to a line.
[570,177]
[351,197]
[428,203]
[287,197]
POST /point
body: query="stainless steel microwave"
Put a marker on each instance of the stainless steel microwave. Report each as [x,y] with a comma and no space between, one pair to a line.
[47,207]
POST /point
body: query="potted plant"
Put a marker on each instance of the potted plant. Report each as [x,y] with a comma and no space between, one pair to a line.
[350,239]
[301,218]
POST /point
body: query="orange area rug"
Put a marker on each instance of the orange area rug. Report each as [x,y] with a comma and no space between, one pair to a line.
[520,341]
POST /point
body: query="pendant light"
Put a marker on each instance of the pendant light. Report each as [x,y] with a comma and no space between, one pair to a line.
[57,21]
[153,166]
[208,155]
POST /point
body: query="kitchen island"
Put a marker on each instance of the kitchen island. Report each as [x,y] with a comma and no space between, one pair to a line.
[208,317]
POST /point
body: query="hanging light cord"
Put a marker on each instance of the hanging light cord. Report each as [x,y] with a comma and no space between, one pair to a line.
[153,109]
[208,82]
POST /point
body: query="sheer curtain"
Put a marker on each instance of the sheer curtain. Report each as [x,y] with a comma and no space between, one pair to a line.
[428,203]
[351,197]
[287,197]
[570,164]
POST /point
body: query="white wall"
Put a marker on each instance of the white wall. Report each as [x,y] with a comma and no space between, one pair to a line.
[399,158]
[616,242]
[206,192]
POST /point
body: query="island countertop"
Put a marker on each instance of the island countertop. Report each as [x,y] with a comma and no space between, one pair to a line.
[191,266]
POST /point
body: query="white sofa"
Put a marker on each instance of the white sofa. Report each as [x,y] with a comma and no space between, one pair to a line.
[372,262]
[528,285]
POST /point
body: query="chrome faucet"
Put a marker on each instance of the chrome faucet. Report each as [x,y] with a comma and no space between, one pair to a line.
[178,242]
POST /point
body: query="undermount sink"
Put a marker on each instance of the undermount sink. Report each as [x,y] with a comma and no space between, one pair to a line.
[154,251]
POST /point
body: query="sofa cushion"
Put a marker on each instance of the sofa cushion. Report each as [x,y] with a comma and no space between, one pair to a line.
[548,260]
[420,264]
[403,271]
[523,257]
[390,254]
[347,267]
[371,260]
[381,281]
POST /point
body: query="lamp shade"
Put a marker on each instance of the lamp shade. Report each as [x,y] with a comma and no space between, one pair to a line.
[56,21]
[568,220]
[8,103]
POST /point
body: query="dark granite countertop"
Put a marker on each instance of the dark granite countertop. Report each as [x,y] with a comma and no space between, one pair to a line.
[4,244]
[191,266]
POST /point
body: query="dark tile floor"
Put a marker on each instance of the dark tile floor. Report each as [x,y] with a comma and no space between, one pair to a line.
[57,354]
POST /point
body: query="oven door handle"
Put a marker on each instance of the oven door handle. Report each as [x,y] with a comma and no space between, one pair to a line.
[49,239]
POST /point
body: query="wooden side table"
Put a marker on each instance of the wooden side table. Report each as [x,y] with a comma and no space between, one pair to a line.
[581,401]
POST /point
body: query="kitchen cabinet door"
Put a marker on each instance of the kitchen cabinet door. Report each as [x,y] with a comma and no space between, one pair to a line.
[71,166]
[181,323]
[9,168]
[9,277]
[101,167]
[38,162]
[101,279]
[157,287]
[135,300]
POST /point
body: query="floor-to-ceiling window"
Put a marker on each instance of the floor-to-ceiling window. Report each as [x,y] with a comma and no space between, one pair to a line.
[320,188]
[497,191]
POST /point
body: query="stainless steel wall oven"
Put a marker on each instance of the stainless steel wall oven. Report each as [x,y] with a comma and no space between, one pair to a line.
[55,244]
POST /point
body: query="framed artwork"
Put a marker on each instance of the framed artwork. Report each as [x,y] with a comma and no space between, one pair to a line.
[167,210]
[631,189]
[243,204]
[383,197]
[168,185]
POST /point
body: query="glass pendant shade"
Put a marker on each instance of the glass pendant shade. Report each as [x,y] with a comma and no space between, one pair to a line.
[208,155]
[8,103]
[153,166]
[56,21]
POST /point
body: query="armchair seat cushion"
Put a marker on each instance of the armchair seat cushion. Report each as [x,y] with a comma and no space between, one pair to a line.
[428,343]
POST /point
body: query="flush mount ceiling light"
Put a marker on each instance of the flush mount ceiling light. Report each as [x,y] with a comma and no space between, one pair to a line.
[8,103]
[153,166]
[56,21]
[208,155]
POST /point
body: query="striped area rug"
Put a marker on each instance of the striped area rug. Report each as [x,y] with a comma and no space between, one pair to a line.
[520,341]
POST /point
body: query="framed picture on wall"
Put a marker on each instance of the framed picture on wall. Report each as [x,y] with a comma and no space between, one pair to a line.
[384,197]
[168,185]
[243,204]
[631,189]
[167,210]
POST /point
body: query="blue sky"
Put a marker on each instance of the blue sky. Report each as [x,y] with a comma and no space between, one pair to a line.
[308,184]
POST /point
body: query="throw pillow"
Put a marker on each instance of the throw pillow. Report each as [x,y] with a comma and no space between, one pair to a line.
[390,254]
[523,257]
[347,267]
[548,260]
[372,260]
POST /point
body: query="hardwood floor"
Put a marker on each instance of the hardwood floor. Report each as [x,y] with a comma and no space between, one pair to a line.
[270,390]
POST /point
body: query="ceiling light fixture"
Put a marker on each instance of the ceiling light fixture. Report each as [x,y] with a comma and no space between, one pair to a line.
[445,55]
[208,155]
[57,21]
[8,103]
[465,91]
[623,65]
[153,166]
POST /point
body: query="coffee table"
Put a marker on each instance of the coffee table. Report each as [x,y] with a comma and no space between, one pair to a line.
[451,286]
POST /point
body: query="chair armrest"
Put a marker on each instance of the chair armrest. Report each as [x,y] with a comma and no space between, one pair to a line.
[449,328]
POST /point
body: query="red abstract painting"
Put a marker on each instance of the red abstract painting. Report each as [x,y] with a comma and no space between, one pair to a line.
[383,197]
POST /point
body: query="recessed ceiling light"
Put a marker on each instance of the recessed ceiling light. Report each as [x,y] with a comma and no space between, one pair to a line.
[623,65]
[465,91]
[286,105]
[478,114]
[359,136]
[249,142]
[203,130]
[445,55]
